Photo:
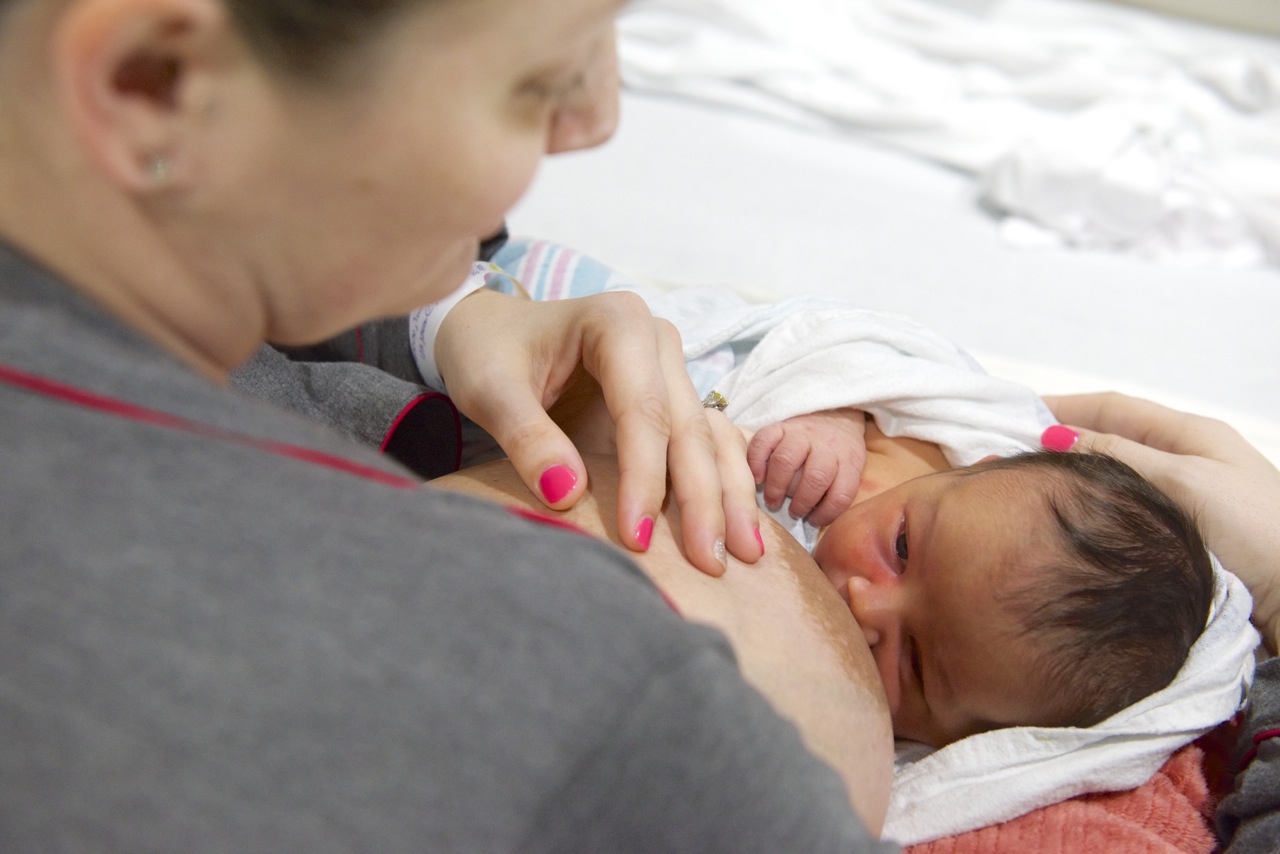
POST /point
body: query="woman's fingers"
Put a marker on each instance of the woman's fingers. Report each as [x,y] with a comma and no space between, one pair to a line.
[705,458]
[548,462]
[738,489]
[507,361]
[662,429]
[621,350]
[1145,422]
[1161,443]
[691,459]
[1160,467]
[503,373]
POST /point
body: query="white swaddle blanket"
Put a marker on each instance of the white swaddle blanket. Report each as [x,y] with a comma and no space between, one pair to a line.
[773,362]
[1104,127]
[809,354]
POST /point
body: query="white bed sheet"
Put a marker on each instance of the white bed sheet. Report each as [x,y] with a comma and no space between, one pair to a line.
[690,193]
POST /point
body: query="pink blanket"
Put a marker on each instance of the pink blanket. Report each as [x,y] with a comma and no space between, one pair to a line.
[1171,812]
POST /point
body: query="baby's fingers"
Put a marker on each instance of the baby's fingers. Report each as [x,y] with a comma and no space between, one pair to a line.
[839,496]
[761,448]
[786,467]
[820,470]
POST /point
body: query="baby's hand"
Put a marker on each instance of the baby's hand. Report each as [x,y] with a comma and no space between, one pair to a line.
[816,459]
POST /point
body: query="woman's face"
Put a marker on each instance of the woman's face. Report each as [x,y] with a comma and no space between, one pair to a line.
[368,198]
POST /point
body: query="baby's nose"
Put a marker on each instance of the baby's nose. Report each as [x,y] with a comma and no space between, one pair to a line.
[877,609]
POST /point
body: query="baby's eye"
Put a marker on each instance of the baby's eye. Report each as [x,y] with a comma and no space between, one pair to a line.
[900,542]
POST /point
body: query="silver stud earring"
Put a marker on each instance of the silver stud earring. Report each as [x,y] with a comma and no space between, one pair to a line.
[158,168]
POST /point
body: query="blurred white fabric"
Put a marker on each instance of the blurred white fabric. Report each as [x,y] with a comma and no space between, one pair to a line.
[1095,127]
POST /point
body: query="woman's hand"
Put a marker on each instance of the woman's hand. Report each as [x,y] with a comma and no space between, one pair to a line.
[506,361]
[817,459]
[1205,466]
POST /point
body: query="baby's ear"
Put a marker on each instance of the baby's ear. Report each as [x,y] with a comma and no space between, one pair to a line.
[988,458]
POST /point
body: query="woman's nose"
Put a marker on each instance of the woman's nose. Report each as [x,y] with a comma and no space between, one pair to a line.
[877,608]
[590,116]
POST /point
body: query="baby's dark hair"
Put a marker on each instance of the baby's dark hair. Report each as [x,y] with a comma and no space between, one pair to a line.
[1116,612]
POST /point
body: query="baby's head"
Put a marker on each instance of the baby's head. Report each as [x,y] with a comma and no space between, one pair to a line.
[1041,589]
[1117,612]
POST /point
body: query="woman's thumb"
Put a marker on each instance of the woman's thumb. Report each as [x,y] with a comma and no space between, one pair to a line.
[542,454]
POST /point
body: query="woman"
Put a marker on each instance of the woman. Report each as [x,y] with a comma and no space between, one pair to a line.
[224,627]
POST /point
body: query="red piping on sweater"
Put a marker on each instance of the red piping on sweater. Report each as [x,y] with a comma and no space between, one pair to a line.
[1258,738]
[122,409]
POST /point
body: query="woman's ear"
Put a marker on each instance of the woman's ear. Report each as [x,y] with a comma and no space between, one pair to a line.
[134,77]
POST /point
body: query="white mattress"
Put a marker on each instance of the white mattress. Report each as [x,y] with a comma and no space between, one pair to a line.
[692,193]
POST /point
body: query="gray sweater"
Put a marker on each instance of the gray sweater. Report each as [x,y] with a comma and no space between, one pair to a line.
[1249,817]
[225,628]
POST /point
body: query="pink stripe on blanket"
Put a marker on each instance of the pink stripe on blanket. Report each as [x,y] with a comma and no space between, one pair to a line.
[558,279]
[528,273]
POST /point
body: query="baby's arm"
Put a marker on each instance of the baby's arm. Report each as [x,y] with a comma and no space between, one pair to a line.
[816,458]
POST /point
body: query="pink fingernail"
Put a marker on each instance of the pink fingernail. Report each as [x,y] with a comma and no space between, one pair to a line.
[1059,438]
[557,482]
[760,540]
[644,533]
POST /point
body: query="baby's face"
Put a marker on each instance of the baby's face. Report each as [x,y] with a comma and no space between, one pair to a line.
[923,567]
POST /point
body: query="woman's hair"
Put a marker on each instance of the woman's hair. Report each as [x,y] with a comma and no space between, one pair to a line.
[310,40]
[1116,612]
[313,39]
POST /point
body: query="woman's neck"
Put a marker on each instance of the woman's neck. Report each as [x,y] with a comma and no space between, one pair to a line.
[105,246]
[106,242]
